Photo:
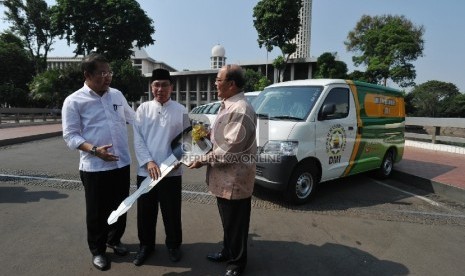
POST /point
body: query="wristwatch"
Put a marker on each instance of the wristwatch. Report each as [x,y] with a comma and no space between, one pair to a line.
[93,151]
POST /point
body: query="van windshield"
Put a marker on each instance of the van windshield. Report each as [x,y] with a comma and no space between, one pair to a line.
[287,103]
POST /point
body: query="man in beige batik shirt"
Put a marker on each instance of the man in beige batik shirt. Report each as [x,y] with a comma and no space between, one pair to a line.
[231,167]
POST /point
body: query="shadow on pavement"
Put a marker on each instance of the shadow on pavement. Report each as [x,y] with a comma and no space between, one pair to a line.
[23,195]
[275,258]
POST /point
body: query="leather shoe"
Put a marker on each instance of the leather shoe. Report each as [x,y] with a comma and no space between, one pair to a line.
[175,254]
[217,257]
[232,272]
[119,249]
[142,255]
[101,262]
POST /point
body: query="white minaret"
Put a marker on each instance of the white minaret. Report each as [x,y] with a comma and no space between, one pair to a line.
[218,58]
[303,37]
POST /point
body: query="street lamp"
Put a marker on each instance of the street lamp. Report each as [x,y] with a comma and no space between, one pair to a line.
[266,46]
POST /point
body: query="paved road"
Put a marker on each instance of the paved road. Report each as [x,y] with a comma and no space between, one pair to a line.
[358,225]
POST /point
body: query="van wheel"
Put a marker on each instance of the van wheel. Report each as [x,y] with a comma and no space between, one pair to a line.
[386,166]
[302,184]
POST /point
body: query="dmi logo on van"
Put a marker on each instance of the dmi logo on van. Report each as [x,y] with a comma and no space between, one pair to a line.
[335,143]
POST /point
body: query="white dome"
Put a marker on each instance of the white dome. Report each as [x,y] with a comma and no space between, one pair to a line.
[218,51]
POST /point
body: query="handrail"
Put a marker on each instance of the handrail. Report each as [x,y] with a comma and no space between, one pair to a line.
[17,115]
[437,124]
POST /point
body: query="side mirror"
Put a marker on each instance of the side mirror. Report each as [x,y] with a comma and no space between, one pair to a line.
[326,110]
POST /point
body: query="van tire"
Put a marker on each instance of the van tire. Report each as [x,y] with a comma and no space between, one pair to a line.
[387,166]
[302,184]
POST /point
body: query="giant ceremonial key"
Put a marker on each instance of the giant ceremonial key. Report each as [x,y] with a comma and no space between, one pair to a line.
[185,150]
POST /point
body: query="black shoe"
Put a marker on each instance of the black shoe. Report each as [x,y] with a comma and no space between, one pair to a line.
[175,254]
[101,262]
[119,249]
[217,257]
[233,272]
[142,255]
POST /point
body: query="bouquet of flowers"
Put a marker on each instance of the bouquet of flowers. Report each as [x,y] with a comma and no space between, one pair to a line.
[199,132]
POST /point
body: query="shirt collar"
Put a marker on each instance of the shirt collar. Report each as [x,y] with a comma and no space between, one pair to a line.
[89,90]
[157,103]
[231,100]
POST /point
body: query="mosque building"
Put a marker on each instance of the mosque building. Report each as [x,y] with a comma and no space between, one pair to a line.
[194,88]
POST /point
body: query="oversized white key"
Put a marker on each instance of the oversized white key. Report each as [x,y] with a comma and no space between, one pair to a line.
[184,151]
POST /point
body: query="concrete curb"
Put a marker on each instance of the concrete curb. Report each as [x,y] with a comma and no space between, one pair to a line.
[18,140]
[430,186]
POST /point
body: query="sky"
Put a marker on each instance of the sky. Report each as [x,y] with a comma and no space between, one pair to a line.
[186,31]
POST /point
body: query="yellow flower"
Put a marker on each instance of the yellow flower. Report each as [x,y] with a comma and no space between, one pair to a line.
[199,132]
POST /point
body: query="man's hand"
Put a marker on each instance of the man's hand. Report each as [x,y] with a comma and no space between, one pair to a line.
[103,153]
[154,170]
[196,165]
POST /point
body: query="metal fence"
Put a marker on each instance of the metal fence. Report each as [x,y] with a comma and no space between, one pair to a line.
[27,116]
[436,130]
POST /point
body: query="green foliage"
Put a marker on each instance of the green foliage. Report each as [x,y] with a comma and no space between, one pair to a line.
[16,70]
[361,76]
[454,106]
[262,83]
[277,22]
[386,45]
[279,63]
[107,26]
[409,107]
[50,88]
[328,67]
[434,99]
[31,21]
[255,81]
[128,80]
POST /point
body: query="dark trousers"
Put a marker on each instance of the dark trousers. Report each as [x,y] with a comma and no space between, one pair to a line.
[167,193]
[104,192]
[235,217]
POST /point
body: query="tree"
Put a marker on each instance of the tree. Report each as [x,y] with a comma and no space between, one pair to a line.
[50,88]
[431,99]
[16,70]
[128,80]
[109,27]
[361,76]
[31,21]
[455,106]
[386,45]
[277,23]
[328,67]
[255,81]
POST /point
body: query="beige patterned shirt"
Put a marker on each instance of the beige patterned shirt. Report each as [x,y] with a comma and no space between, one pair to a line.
[231,163]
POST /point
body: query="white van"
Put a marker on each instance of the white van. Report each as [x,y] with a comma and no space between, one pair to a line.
[312,131]
[207,113]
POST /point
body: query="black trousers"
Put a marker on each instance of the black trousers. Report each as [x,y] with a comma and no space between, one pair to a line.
[167,194]
[235,217]
[104,192]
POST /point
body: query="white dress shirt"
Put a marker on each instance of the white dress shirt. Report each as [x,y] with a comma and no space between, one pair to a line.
[98,120]
[155,126]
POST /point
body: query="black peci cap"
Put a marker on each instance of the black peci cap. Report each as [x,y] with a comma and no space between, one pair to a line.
[160,74]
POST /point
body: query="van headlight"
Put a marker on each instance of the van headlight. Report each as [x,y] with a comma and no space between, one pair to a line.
[283,148]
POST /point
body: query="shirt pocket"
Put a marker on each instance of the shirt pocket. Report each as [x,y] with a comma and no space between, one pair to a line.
[118,112]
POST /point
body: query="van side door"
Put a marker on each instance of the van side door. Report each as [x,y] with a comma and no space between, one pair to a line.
[336,129]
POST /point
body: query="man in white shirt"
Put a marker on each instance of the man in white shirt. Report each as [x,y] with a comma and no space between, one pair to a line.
[157,123]
[94,121]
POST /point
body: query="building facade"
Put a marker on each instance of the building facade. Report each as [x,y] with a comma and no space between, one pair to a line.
[194,88]
[140,59]
[303,38]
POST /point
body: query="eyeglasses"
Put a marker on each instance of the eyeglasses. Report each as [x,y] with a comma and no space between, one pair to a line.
[162,85]
[105,74]
[220,80]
